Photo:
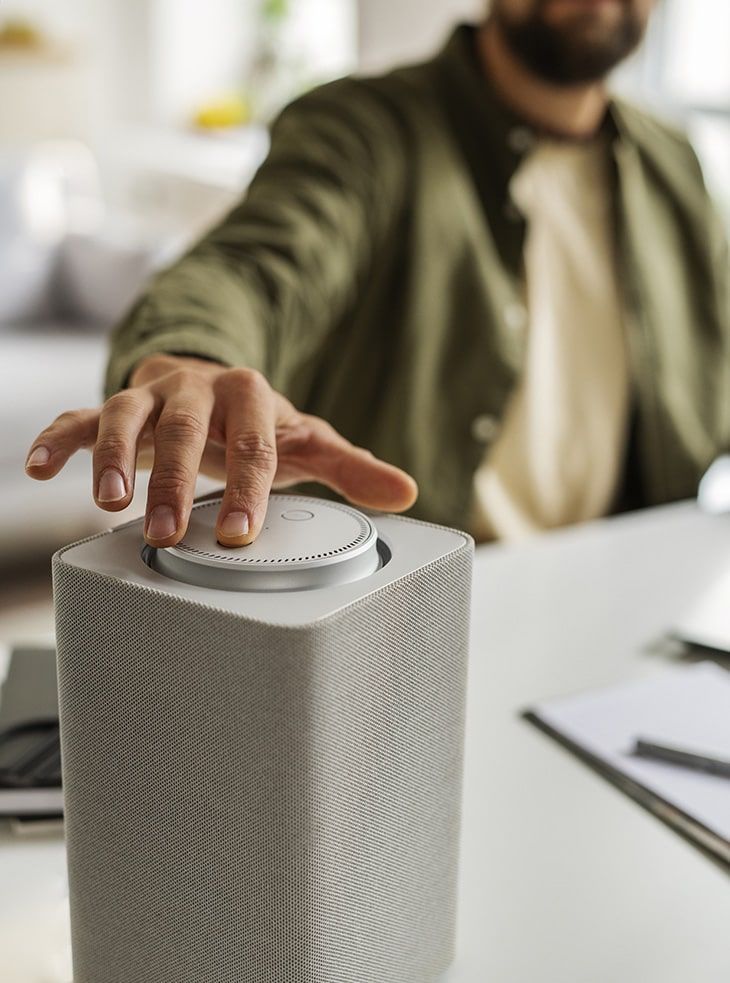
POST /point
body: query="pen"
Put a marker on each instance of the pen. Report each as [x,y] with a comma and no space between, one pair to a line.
[678,756]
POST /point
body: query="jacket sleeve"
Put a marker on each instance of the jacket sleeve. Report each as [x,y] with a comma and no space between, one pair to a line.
[266,285]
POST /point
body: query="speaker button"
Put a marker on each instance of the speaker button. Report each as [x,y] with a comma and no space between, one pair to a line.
[291,553]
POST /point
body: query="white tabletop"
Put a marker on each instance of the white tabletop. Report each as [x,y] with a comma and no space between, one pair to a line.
[564,880]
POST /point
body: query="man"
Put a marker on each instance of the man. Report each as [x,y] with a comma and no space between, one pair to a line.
[481,269]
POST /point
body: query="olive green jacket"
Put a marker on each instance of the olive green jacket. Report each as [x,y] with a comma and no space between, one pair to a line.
[373,272]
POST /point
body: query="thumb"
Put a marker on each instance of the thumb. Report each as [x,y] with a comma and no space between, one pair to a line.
[358,475]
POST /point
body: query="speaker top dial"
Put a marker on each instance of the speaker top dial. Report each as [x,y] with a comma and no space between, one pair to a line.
[305,543]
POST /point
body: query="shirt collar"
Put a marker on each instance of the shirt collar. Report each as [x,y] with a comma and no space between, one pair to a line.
[478,109]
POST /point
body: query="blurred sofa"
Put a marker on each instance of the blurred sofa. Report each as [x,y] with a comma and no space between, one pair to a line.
[65,277]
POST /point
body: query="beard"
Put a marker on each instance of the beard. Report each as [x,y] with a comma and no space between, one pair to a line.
[578,50]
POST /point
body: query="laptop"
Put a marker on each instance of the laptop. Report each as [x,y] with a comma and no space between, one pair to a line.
[30,752]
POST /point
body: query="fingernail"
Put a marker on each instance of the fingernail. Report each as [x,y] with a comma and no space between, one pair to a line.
[161,523]
[39,457]
[235,524]
[111,486]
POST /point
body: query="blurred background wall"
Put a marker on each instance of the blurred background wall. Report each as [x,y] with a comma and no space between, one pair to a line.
[389,32]
[127,126]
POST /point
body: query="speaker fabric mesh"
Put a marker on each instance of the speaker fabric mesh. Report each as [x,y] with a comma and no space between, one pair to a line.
[250,803]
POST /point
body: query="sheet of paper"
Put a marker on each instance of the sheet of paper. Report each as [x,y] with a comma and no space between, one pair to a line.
[688,707]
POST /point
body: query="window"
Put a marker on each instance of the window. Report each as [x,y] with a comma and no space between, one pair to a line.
[683,72]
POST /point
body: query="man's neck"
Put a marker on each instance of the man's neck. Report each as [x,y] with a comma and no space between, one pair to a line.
[573,112]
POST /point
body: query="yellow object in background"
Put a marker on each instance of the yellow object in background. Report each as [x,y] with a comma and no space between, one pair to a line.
[20,34]
[223,113]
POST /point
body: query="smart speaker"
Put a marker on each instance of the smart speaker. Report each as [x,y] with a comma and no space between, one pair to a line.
[262,748]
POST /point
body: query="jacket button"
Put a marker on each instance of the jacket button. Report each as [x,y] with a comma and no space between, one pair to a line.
[520,139]
[515,316]
[484,428]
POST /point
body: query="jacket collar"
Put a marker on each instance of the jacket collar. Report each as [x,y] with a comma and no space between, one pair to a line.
[478,108]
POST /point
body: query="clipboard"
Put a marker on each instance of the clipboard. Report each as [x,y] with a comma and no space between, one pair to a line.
[599,727]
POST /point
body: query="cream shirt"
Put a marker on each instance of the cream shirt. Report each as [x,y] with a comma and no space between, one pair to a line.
[558,456]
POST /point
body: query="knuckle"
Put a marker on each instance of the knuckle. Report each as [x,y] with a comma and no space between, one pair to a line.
[255,448]
[297,436]
[246,380]
[69,418]
[318,434]
[323,428]
[170,480]
[125,401]
[111,446]
[184,378]
[181,426]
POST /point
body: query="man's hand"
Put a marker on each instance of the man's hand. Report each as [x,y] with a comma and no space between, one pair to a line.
[190,415]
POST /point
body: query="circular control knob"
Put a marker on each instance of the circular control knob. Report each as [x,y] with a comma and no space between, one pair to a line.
[305,543]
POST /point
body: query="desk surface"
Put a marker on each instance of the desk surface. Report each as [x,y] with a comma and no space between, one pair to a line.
[564,880]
